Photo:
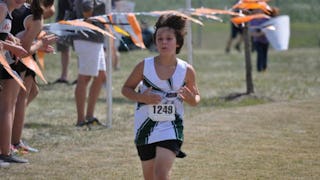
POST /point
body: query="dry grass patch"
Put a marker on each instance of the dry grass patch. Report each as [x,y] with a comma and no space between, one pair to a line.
[271,141]
[277,139]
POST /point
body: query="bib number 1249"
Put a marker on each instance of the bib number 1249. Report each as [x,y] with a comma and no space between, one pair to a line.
[162,112]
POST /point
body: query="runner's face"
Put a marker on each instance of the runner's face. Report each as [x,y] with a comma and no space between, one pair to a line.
[166,40]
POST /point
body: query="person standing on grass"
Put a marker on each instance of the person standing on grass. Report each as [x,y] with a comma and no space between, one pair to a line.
[26,25]
[65,12]
[10,88]
[164,83]
[236,33]
[260,41]
[91,63]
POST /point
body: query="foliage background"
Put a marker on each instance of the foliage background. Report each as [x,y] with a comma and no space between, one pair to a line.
[298,10]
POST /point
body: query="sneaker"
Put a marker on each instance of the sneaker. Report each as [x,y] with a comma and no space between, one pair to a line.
[12,159]
[16,151]
[4,164]
[237,47]
[22,147]
[93,121]
[62,81]
[74,82]
[83,125]
[13,150]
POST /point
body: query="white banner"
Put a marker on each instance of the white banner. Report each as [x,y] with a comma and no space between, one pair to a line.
[277,31]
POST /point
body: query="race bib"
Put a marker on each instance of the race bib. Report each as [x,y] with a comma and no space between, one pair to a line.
[162,112]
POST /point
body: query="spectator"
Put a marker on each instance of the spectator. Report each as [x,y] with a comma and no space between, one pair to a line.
[10,88]
[236,34]
[65,12]
[260,41]
[27,24]
[91,63]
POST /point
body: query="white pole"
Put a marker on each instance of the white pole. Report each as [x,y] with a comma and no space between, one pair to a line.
[189,35]
[109,72]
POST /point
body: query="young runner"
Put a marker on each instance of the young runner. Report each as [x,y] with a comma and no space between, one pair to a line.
[164,83]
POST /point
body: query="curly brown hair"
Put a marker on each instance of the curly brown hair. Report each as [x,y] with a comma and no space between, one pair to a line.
[175,22]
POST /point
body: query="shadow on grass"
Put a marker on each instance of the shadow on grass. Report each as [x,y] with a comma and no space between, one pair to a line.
[234,100]
[33,125]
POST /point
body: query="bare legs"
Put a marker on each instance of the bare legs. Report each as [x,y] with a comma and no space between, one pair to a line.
[81,93]
[237,44]
[115,59]
[159,167]
[24,98]
[65,59]
[8,97]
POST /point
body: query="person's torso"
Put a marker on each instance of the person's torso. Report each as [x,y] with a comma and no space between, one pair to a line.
[5,24]
[149,130]
[84,6]
[19,19]
[66,10]
[258,22]
[97,6]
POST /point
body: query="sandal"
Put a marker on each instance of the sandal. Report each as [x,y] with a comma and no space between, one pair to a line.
[93,121]
[61,81]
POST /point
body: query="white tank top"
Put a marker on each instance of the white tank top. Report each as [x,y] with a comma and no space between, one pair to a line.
[154,123]
[5,25]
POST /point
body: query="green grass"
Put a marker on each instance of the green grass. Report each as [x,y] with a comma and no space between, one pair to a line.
[272,134]
[305,35]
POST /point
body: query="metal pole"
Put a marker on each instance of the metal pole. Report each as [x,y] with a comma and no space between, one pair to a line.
[199,32]
[109,72]
[189,35]
[249,81]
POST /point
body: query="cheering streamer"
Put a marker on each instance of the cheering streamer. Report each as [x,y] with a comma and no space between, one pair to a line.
[13,73]
[123,24]
[32,64]
[243,19]
[132,27]
[209,11]
[253,4]
[208,16]
[179,14]
[81,23]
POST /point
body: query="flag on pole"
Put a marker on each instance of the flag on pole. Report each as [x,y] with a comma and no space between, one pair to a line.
[277,31]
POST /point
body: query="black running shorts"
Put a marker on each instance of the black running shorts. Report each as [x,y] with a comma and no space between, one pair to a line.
[148,151]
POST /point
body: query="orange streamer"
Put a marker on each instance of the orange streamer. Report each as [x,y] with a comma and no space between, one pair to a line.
[14,74]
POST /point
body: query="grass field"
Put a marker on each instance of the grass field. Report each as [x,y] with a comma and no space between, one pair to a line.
[273,134]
